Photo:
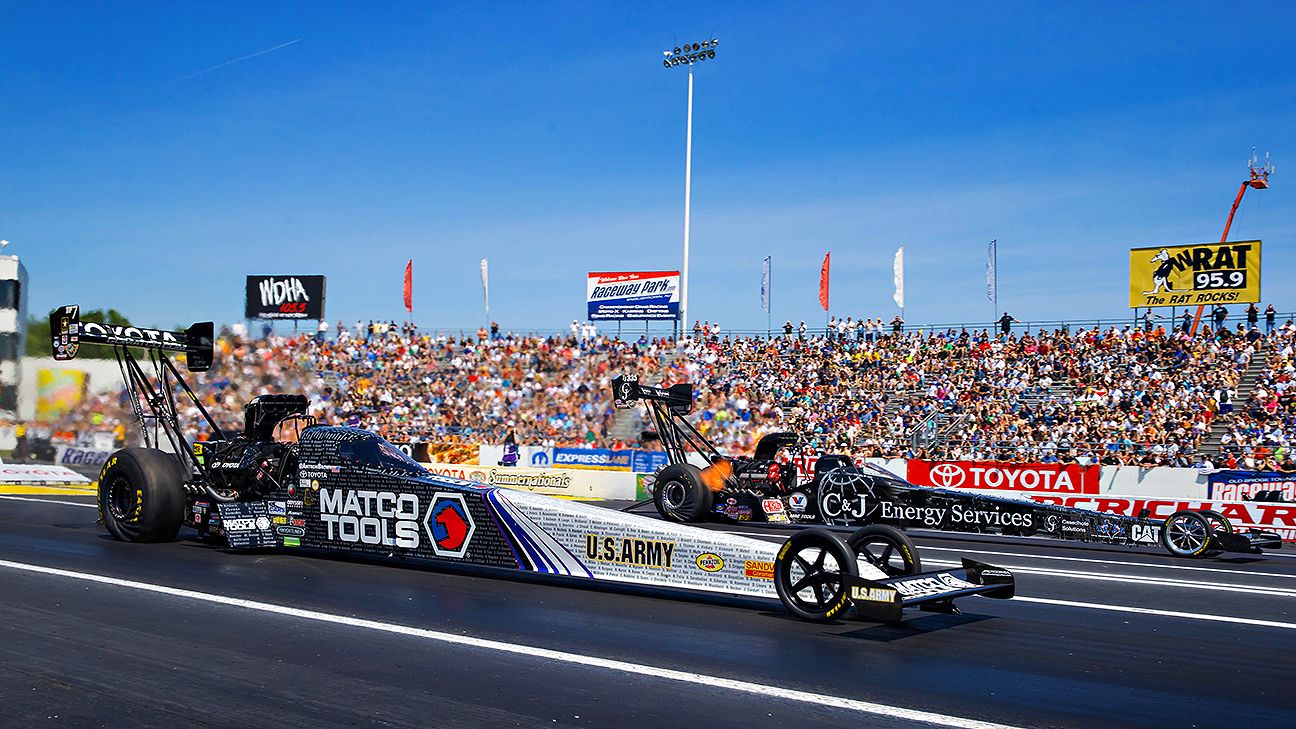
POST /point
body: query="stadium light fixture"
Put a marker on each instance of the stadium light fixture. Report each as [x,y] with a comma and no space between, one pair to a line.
[688,54]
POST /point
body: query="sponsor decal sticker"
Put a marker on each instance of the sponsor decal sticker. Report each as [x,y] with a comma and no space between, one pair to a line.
[933,585]
[759,570]
[633,551]
[797,501]
[772,506]
[240,525]
[709,562]
[873,594]
[370,517]
[1145,533]
[449,524]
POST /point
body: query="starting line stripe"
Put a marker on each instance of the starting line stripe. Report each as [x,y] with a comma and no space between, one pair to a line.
[697,679]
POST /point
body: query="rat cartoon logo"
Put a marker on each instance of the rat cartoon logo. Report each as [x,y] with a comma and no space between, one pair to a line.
[449,524]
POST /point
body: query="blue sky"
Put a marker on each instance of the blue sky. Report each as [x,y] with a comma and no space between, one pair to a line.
[141,169]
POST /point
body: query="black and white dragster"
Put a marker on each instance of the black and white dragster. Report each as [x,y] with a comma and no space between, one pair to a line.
[287,483]
[765,488]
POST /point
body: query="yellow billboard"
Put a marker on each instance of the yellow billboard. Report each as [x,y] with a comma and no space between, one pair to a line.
[57,392]
[1208,273]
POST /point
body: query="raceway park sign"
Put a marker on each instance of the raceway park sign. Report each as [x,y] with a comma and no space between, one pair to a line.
[997,476]
[1239,485]
[284,297]
[1274,517]
[632,295]
[1206,274]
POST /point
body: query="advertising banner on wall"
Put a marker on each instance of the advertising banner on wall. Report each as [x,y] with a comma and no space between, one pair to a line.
[571,483]
[598,458]
[1037,477]
[31,473]
[1205,274]
[1242,485]
[284,297]
[632,295]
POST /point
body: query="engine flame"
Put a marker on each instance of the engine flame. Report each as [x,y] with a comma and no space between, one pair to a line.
[717,474]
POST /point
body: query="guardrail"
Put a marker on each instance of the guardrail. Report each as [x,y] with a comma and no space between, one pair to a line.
[630,331]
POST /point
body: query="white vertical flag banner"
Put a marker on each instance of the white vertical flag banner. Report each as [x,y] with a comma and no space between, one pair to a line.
[485,286]
[899,277]
[992,273]
[765,284]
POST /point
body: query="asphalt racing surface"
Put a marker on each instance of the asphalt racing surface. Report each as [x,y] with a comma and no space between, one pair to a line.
[95,632]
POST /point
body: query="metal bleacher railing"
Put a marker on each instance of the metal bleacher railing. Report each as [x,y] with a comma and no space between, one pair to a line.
[632,331]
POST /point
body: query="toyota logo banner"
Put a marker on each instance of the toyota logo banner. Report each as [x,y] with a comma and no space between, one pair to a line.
[1052,478]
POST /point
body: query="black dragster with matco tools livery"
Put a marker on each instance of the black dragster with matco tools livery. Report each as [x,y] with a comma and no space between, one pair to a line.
[284,482]
[766,489]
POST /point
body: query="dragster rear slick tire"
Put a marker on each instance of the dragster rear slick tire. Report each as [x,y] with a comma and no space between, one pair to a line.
[680,495]
[886,548]
[141,495]
[809,586]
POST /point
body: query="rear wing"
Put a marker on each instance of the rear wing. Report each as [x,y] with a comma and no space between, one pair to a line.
[626,390]
[68,332]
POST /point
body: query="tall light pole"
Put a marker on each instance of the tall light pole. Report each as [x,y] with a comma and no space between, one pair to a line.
[687,55]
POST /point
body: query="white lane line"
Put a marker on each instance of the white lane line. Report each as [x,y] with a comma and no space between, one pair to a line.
[927,548]
[1134,579]
[1162,613]
[49,501]
[697,679]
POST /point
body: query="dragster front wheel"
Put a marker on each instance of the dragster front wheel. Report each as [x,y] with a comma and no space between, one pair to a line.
[810,575]
[886,548]
[141,495]
[1188,534]
[680,495]
[1219,523]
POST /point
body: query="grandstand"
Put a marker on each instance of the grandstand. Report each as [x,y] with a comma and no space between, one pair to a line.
[1072,393]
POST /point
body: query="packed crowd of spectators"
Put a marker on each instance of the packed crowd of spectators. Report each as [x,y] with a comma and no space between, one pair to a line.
[1132,395]
[1260,431]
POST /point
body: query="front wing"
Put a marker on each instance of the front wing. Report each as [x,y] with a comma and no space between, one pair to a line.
[884,600]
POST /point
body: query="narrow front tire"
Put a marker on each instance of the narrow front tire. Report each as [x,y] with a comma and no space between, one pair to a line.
[810,575]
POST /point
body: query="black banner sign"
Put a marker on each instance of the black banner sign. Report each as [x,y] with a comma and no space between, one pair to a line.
[284,297]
